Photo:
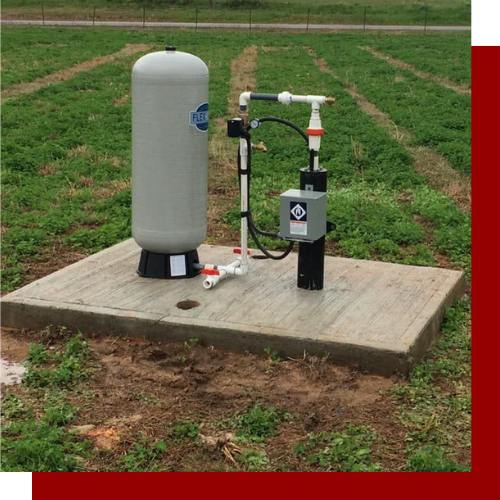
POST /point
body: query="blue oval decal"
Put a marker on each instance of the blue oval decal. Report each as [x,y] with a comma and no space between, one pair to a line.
[199,117]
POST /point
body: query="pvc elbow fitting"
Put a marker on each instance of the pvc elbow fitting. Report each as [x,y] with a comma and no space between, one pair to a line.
[245,98]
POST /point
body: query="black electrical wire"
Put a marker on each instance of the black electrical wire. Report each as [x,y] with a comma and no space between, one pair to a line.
[287,123]
[252,228]
[312,153]
[269,255]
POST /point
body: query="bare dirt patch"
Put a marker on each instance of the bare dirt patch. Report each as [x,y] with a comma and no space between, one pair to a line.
[65,74]
[13,348]
[433,166]
[397,63]
[121,101]
[145,389]
[442,177]
[81,150]
[85,181]
[103,193]
[223,189]
[13,352]
[243,70]
[141,390]
[269,48]
[119,186]
[48,169]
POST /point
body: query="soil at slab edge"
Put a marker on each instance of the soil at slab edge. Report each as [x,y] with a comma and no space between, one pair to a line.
[143,388]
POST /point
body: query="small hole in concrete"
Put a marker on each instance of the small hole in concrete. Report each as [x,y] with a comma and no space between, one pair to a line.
[259,257]
[185,305]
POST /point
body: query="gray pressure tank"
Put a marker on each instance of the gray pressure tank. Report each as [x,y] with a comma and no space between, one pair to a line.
[169,161]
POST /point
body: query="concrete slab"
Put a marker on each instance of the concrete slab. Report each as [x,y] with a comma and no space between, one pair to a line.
[380,317]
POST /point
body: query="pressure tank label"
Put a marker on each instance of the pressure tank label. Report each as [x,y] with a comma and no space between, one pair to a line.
[199,117]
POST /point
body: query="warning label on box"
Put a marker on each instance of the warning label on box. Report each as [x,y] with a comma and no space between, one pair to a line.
[298,218]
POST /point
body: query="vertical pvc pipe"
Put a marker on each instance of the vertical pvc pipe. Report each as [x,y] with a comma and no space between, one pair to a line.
[244,203]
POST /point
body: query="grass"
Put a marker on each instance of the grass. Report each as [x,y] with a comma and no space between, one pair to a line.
[432,407]
[143,456]
[254,461]
[39,446]
[369,173]
[418,105]
[28,55]
[432,460]
[427,55]
[435,405]
[185,431]
[440,12]
[348,451]
[73,188]
[35,438]
[66,171]
[57,369]
[351,451]
[258,423]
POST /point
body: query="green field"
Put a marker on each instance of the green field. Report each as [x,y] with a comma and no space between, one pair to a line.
[410,12]
[65,190]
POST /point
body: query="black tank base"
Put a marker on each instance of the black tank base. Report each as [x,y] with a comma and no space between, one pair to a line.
[168,267]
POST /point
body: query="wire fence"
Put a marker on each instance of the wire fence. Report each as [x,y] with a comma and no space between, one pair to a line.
[254,17]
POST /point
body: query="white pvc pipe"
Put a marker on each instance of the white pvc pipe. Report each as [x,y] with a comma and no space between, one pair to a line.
[244,203]
[315,124]
[234,269]
[239,266]
[287,98]
[245,98]
[210,282]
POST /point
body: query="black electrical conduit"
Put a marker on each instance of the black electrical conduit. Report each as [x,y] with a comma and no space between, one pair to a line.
[253,229]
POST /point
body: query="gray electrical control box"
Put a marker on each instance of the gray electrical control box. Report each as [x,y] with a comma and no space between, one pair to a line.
[303,215]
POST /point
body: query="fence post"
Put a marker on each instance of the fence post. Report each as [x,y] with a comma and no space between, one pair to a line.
[43,16]
[364,19]
[426,18]
[93,17]
[308,18]
[143,16]
[250,20]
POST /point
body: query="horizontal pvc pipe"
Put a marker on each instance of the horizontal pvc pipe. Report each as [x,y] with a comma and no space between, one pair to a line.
[309,99]
[283,98]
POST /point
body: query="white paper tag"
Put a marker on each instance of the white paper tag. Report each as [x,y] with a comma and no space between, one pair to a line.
[297,227]
[178,265]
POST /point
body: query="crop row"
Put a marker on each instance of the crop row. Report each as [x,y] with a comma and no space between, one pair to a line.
[66,156]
